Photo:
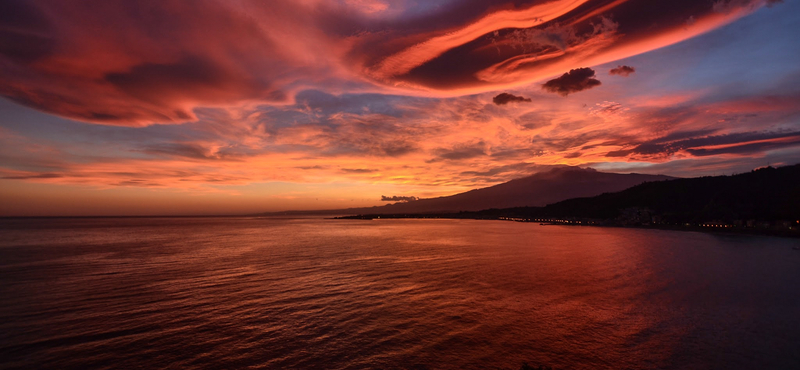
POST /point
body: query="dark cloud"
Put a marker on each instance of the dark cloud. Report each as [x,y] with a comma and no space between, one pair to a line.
[25,33]
[618,153]
[727,6]
[151,62]
[506,98]
[358,170]
[624,71]
[315,167]
[461,151]
[499,53]
[228,152]
[533,120]
[735,143]
[343,134]
[359,104]
[177,150]
[396,148]
[581,141]
[494,175]
[338,142]
[192,78]
[573,81]
[33,177]
[683,135]
[398,198]
[523,153]
[746,148]
[140,183]
[516,168]
[608,109]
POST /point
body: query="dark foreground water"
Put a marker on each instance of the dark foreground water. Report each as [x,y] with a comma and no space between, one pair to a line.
[225,293]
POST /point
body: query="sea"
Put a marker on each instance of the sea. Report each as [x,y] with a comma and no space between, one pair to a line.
[315,293]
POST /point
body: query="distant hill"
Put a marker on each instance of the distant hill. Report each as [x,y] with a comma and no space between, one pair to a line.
[767,194]
[536,190]
[764,201]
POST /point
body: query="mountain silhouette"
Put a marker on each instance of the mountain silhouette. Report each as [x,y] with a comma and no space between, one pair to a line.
[766,194]
[537,190]
[765,201]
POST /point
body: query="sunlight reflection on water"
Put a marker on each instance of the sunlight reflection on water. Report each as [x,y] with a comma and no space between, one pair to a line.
[352,294]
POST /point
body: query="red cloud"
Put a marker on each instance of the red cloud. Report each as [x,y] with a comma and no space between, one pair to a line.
[133,63]
[516,46]
[624,71]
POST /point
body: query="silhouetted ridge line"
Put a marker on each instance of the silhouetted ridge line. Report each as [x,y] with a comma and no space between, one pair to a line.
[764,200]
[542,188]
[764,194]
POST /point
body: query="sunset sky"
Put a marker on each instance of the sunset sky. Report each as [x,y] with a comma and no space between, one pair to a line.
[225,107]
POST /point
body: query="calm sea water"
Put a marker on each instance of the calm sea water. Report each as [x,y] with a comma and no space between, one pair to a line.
[224,293]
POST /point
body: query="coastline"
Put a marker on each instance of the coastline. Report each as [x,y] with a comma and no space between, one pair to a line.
[792,232]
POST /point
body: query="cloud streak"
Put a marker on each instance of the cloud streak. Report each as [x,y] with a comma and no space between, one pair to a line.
[733,143]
